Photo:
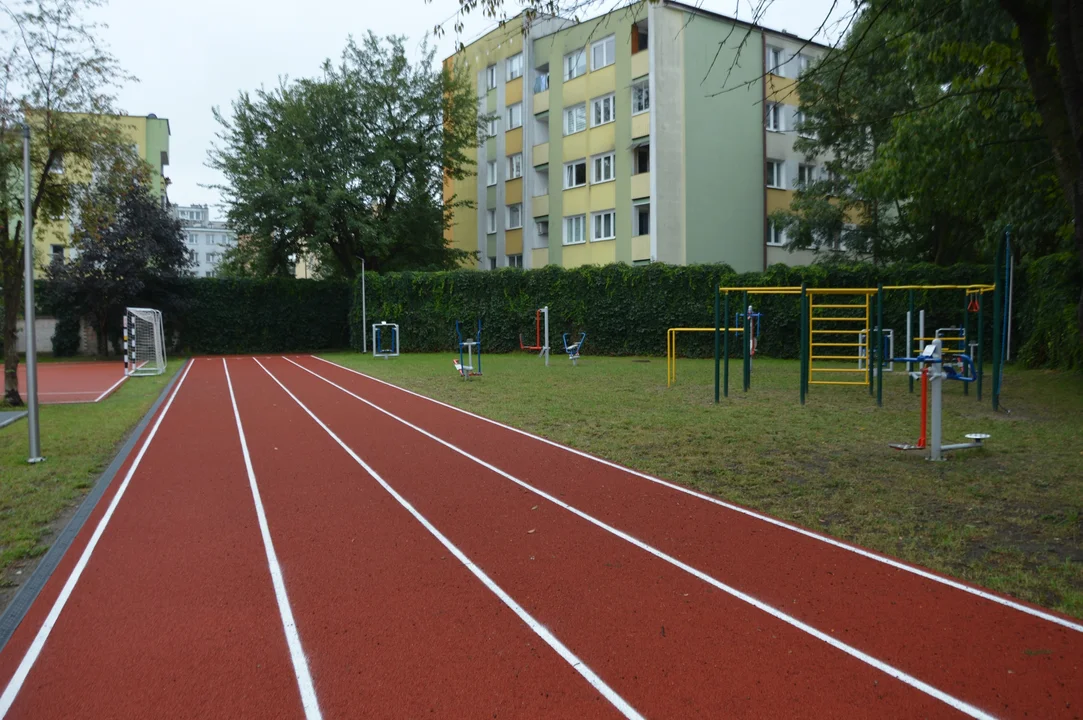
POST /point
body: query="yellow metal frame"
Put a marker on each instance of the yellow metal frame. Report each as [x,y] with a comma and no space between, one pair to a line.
[831,323]
[671,349]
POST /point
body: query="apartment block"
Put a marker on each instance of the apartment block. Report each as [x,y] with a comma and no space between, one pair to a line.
[148,137]
[655,133]
[207,239]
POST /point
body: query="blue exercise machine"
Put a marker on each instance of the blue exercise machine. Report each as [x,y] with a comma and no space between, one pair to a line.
[465,366]
[573,348]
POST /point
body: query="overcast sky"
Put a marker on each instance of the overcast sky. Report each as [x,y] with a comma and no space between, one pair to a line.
[201,53]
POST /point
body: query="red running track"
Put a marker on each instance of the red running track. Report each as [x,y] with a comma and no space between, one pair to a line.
[74,382]
[364,552]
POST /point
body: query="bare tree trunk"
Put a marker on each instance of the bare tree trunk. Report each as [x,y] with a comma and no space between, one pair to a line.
[13,286]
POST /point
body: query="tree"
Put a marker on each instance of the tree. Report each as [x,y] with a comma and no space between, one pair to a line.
[57,78]
[350,165]
[1047,37]
[127,248]
[932,143]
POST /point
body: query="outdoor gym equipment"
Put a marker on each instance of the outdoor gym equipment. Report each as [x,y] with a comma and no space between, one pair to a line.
[888,348]
[573,348]
[382,331]
[543,349]
[934,370]
[466,368]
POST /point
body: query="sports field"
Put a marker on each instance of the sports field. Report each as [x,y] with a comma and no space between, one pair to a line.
[290,538]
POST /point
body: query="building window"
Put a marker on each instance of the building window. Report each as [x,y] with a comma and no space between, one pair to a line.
[515,116]
[490,77]
[212,257]
[492,127]
[515,66]
[56,252]
[641,97]
[799,121]
[605,225]
[603,168]
[515,261]
[601,110]
[57,166]
[804,62]
[642,160]
[195,238]
[515,166]
[575,64]
[805,175]
[774,117]
[640,37]
[575,174]
[492,263]
[575,119]
[515,216]
[775,177]
[775,236]
[642,219]
[575,230]
[774,61]
[542,227]
[541,80]
[490,173]
[603,52]
[490,221]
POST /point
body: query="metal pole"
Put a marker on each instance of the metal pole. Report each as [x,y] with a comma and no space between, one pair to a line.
[28,311]
[726,346]
[803,340]
[998,301]
[1011,293]
[364,314]
[910,341]
[545,310]
[966,336]
[981,343]
[717,340]
[936,372]
[880,345]
[746,345]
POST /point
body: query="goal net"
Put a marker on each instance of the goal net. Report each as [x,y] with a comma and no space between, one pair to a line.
[144,342]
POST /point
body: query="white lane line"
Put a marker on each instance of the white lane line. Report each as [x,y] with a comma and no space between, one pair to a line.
[897,564]
[578,665]
[113,387]
[32,653]
[293,639]
[880,665]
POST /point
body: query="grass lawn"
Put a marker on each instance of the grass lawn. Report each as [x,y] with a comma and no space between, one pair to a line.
[78,441]
[1008,517]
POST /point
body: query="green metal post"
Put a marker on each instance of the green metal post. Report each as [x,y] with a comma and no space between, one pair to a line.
[879,345]
[802,352]
[998,301]
[979,360]
[966,343]
[746,344]
[717,339]
[726,347]
[909,342]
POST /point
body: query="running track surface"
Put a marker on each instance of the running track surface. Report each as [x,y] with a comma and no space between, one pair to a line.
[361,551]
[74,382]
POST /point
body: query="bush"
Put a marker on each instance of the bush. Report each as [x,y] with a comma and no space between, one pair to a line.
[626,310]
[256,316]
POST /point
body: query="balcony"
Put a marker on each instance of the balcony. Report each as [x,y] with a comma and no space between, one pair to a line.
[539,206]
[541,154]
[641,185]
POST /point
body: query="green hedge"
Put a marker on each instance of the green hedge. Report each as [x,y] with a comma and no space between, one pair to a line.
[256,316]
[626,310]
[1045,314]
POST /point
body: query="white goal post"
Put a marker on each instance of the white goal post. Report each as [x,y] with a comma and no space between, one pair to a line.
[144,342]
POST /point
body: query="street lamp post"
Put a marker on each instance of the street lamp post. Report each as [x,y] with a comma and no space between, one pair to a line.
[28,312]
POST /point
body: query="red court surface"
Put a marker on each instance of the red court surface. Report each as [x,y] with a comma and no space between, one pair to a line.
[74,382]
[291,539]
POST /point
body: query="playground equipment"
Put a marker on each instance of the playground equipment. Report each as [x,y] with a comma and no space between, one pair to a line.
[466,368]
[934,371]
[888,348]
[573,348]
[543,349]
[381,331]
